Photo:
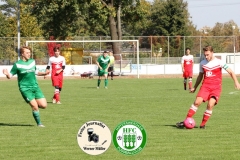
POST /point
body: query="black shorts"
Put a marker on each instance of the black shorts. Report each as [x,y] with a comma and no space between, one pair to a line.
[110,69]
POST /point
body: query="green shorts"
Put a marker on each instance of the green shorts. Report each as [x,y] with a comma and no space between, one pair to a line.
[102,72]
[32,93]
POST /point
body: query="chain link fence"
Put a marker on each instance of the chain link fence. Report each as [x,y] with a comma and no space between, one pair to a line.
[152,49]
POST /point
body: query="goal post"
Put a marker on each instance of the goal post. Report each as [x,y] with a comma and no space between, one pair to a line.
[92,41]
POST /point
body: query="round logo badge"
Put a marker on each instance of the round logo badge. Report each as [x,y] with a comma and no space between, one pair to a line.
[129,137]
[94,137]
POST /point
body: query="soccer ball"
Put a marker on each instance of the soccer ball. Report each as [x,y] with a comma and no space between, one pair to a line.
[189,123]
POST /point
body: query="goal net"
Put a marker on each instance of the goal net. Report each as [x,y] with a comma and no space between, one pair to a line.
[86,52]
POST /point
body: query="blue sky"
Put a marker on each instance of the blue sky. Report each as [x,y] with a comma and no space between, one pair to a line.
[209,12]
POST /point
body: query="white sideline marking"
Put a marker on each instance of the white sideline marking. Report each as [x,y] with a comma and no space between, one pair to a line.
[234,92]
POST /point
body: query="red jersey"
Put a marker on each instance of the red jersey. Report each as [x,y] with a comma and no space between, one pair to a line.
[56,63]
[212,71]
[187,61]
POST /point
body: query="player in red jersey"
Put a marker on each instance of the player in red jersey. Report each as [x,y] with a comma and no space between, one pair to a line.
[57,63]
[211,74]
[187,68]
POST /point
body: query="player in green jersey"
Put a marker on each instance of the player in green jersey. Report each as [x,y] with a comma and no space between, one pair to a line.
[103,63]
[25,69]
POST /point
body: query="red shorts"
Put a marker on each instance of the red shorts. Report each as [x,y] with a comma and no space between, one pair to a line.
[57,80]
[187,74]
[208,91]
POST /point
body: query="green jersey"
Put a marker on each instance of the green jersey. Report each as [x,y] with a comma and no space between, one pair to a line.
[103,61]
[25,71]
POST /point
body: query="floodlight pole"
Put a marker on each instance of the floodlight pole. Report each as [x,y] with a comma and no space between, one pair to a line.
[18,27]
[233,27]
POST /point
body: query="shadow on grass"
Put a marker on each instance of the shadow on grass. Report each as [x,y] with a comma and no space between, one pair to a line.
[14,124]
[93,87]
[49,102]
[174,126]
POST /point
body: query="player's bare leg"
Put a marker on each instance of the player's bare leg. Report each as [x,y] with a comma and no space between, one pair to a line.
[190,82]
[35,104]
[106,81]
[207,114]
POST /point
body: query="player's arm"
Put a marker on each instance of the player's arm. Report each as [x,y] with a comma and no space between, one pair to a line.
[48,68]
[12,72]
[234,77]
[47,71]
[60,70]
[182,65]
[192,63]
[198,81]
[63,66]
[38,73]
[108,66]
[98,65]
[8,75]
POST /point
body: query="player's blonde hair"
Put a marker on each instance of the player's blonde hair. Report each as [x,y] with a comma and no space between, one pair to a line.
[23,48]
[208,48]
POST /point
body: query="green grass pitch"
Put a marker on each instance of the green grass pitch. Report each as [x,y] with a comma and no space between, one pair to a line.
[157,104]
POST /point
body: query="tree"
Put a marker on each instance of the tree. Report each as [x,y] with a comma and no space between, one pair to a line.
[170,18]
[29,26]
[4,29]
[57,18]
[64,18]
[224,29]
[116,9]
[137,21]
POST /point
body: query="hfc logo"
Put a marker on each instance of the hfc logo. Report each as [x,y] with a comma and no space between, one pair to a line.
[129,137]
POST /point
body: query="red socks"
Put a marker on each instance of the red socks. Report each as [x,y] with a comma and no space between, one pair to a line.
[192,111]
[207,114]
[56,95]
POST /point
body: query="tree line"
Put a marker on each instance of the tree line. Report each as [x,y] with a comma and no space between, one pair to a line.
[64,19]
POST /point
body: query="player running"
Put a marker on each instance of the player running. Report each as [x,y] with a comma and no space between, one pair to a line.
[211,74]
[103,63]
[25,69]
[187,68]
[57,63]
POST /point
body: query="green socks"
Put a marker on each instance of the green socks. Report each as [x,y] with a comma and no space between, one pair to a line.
[98,82]
[36,116]
[106,82]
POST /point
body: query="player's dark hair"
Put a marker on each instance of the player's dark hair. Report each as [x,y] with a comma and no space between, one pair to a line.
[56,48]
[23,48]
[106,52]
[208,48]
[187,49]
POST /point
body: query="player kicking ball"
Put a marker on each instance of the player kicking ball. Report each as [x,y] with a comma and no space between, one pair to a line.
[211,76]
[25,69]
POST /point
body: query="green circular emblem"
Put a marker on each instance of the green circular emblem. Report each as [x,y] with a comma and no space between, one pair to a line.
[129,137]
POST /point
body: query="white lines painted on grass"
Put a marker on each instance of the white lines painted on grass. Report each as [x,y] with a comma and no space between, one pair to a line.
[234,92]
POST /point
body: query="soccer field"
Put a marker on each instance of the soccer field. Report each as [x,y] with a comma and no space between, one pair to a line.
[157,104]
